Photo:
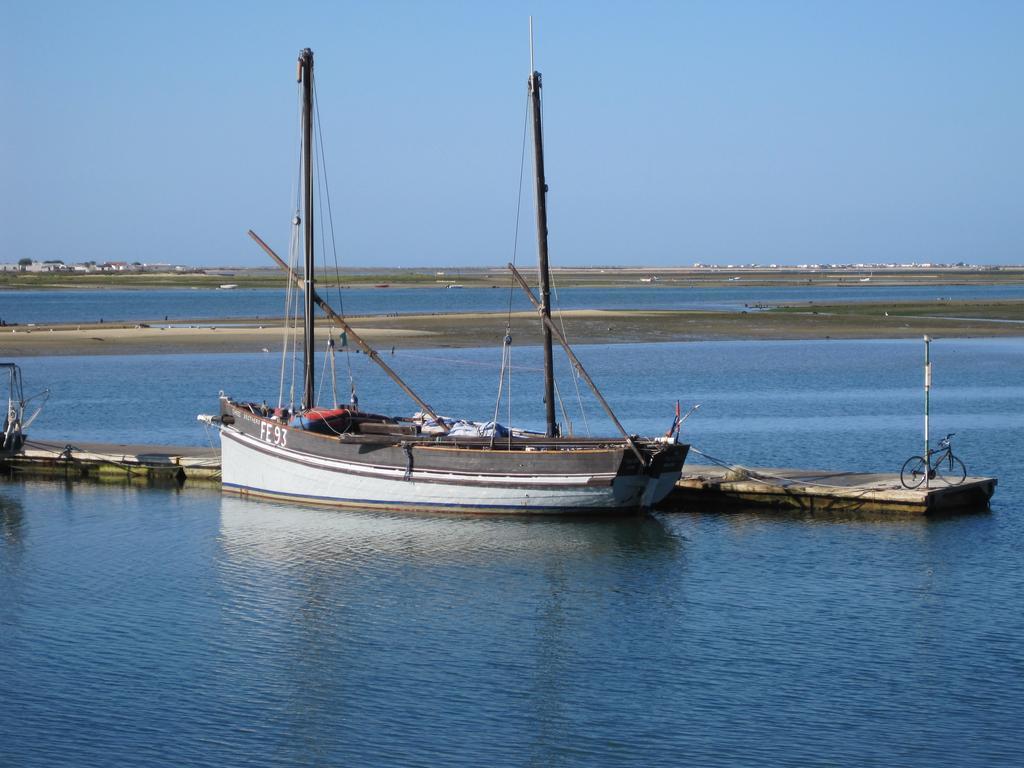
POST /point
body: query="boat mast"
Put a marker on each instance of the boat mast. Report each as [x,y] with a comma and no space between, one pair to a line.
[542,243]
[306,79]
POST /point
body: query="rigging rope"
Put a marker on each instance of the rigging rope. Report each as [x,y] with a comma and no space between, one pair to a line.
[561,407]
[323,370]
[334,371]
[575,373]
[519,206]
[326,196]
[506,348]
[506,351]
[290,308]
[296,310]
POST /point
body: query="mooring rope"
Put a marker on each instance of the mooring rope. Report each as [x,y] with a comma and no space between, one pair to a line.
[755,474]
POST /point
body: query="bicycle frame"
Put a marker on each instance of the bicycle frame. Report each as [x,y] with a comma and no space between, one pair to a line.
[936,457]
[938,463]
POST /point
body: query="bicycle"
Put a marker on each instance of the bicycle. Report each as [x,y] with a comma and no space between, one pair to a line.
[941,464]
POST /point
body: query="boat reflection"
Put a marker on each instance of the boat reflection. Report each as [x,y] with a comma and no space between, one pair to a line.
[285,533]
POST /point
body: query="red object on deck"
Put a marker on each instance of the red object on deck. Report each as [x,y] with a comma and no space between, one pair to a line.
[324,414]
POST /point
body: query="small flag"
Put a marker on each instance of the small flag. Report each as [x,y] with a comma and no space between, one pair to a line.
[675,423]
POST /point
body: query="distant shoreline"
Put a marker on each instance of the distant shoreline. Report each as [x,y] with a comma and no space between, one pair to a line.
[651,278]
[892,320]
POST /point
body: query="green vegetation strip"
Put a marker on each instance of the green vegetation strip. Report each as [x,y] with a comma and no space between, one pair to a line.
[987,310]
[495,277]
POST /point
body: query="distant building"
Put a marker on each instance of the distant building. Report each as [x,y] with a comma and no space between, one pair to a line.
[52,265]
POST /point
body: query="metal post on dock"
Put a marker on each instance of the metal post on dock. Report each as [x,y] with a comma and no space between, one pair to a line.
[927,391]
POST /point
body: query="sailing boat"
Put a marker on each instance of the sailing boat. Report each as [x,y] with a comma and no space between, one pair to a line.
[347,457]
[13,422]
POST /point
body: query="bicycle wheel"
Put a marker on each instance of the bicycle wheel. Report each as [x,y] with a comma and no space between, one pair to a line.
[951,470]
[913,472]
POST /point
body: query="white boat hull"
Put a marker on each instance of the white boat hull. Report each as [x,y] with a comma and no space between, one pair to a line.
[251,467]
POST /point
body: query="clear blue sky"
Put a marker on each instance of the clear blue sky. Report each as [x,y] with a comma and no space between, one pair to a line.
[676,132]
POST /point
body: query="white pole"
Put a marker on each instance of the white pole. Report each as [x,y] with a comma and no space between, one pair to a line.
[532,68]
[927,391]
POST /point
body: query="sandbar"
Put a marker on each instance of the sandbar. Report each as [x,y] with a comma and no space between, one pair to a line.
[860,321]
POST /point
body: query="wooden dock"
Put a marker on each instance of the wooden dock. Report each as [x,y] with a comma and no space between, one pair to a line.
[703,487]
[823,491]
[116,462]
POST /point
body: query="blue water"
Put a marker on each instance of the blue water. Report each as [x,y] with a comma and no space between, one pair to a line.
[74,306]
[144,626]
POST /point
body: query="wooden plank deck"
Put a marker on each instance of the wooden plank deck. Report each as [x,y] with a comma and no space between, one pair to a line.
[55,458]
[702,487]
[823,491]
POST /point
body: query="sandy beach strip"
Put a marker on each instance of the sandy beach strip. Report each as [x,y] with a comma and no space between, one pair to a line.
[487,329]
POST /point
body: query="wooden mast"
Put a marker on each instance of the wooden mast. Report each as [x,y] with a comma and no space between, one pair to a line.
[308,349]
[542,244]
